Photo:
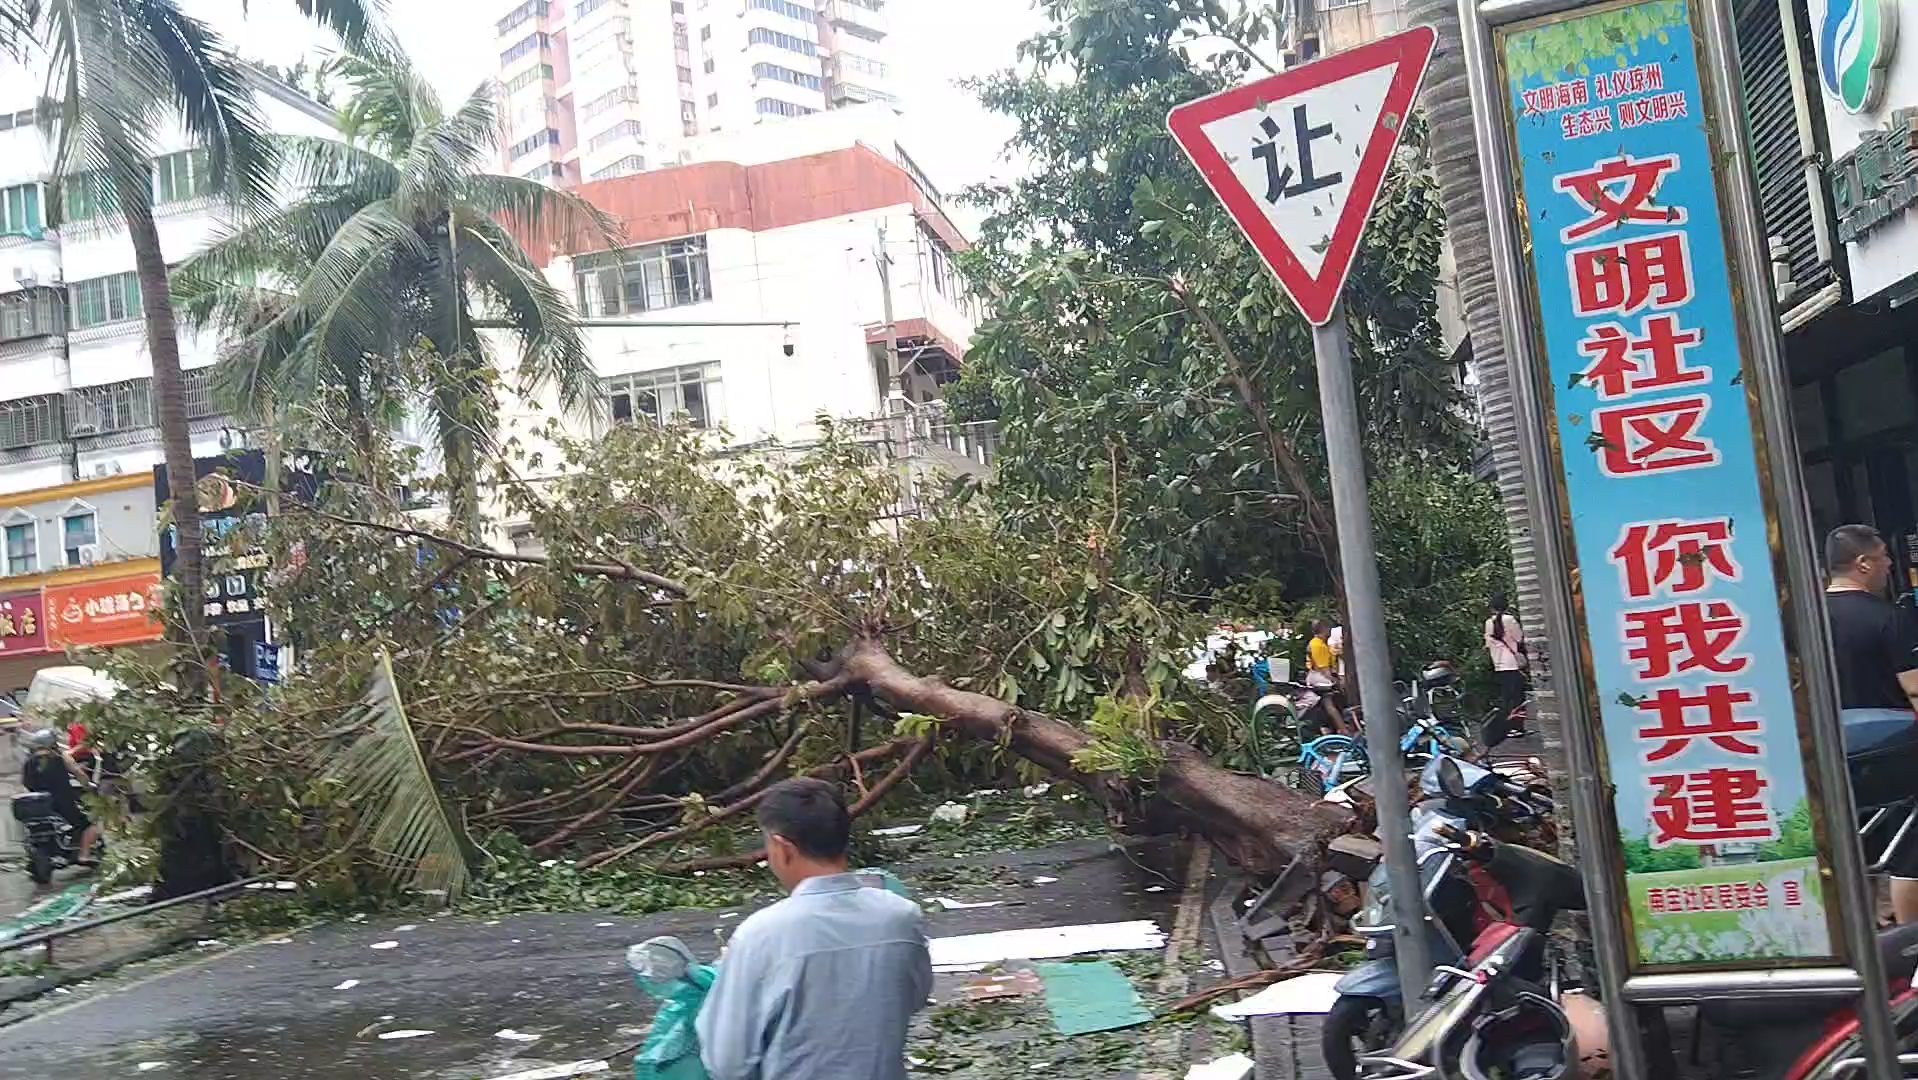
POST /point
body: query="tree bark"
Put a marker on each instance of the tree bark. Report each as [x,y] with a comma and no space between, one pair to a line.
[1454,150]
[169,402]
[1256,823]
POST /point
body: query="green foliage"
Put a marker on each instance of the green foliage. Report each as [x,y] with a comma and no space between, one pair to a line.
[1642,858]
[1124,739]
[1795,837]
[1574,47]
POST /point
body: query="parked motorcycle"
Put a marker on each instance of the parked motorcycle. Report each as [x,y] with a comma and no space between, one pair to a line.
[1459,796]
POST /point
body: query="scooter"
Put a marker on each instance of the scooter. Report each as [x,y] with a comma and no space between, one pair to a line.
[1497,1014]
[51,842]
[1459,796]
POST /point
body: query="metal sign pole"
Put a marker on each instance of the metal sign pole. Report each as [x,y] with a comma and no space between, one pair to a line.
[1346,463]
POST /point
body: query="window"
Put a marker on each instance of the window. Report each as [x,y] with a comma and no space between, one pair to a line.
[661,395]
[608,100]
[626,166]
[30,313]
[20,210]
[76,532]
[855,63]
[936,265]
[705,33]
[533,142]
[539,174]
[22,550]
[102,300]
[712,101]
[520,16]
[30,421]
[587,7]
[525,47]
[685,76]
[625,129]
[196,389]
[528,77]
[785,75]
[632,280]
[121,406]
[709,66]
[775,107]
[179,177]
[763,36]
[786,8]
[87,195]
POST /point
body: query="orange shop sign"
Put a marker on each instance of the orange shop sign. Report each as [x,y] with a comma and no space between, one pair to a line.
[116,611]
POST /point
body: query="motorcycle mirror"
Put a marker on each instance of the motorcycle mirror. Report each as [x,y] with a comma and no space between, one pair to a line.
[1451,779]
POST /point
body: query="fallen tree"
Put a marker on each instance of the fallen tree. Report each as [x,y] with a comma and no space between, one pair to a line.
[696,630]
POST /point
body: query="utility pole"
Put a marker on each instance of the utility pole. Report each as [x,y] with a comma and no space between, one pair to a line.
[895,374]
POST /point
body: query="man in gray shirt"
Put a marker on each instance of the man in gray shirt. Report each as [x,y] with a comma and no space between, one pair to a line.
[821,985]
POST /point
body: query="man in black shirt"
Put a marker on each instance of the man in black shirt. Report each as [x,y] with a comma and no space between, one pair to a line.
[50,769]
[1877,658]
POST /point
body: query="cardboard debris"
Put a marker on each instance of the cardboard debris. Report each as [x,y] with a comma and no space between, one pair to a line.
[1001,984]
[1229,1067]
[1313,992]
[1044,943]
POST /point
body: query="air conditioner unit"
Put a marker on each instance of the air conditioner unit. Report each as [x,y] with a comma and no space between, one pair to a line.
[89,554]
[26,277]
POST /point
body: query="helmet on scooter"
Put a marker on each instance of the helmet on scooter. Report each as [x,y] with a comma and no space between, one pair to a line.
[1531,1040]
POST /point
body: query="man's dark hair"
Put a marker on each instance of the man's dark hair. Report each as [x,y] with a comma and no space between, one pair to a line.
[1847,544]
[809,813]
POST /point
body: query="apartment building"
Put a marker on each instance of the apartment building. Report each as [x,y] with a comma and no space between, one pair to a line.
[771,282]
[598,89]
[78,442]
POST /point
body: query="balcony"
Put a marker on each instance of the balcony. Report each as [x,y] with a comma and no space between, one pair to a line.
[923,436]
[857,19]
[851,93]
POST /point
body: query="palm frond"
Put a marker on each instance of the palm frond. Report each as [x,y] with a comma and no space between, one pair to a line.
[541,214]
[214,100]
[552,350]
[360,24]
[385,779]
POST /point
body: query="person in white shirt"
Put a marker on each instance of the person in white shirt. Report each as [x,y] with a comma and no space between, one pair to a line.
[1505,644]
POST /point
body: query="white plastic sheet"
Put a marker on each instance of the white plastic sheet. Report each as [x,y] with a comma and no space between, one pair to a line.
[1310,993]
[967,951]
[1229,1067]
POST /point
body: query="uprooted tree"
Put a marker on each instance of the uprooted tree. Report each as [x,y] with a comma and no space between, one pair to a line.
[695,630]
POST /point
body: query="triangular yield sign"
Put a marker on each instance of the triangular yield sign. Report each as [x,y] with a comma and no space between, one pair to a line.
[1298,158]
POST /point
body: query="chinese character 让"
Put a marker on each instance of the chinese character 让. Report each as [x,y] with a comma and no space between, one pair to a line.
[1279,182]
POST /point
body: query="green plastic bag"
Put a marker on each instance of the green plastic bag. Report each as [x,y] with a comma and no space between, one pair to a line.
[665,969]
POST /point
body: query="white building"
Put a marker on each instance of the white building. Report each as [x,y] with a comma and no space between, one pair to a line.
[755,283]
[596,89]
[75,374]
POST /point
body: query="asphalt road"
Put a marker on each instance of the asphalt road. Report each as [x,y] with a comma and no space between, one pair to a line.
[277,1009]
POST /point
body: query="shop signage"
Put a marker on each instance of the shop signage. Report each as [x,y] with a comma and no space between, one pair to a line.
[23,623]
[1652,418]
[114,611]
[1856,40]
[1877,182]
[231,508]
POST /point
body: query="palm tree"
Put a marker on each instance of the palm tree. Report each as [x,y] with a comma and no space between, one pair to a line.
[377,278]
[1454,157]
[119,73]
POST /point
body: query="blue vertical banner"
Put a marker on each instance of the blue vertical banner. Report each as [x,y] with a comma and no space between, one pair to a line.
[1656,435]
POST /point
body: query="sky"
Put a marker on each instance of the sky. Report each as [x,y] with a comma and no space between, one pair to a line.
[934,44]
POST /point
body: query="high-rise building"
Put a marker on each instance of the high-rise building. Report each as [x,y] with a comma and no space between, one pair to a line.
[596,89]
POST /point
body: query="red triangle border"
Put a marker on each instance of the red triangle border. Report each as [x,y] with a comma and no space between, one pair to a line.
[1316,297]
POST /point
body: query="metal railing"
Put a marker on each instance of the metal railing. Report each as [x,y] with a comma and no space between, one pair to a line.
[46,938]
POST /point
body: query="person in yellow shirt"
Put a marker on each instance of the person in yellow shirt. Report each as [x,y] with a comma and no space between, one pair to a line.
[1327,714]
[1318,657]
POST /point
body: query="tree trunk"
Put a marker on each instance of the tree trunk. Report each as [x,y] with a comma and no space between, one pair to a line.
[169,403]
[1256,823]
[1454,150]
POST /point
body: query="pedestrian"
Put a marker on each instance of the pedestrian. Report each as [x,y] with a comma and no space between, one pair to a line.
[1325,712]
[823,984]
[1505,645]
[1877,659]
